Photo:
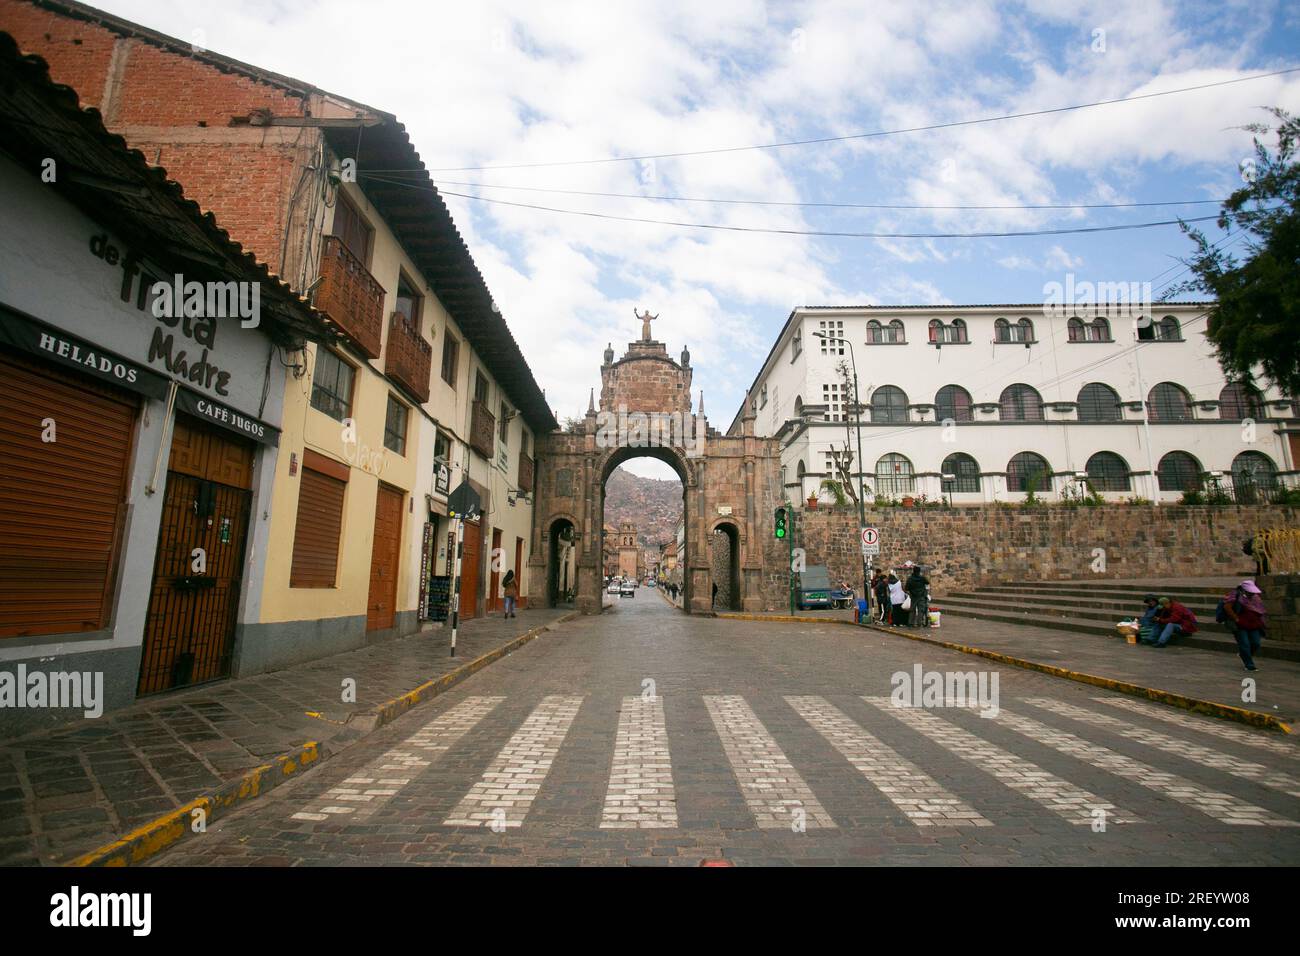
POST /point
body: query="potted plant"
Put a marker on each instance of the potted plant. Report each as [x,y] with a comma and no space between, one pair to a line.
[908,501]
[837,491]
[812,501]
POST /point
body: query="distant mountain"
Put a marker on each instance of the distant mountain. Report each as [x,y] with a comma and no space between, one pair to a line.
[654,505]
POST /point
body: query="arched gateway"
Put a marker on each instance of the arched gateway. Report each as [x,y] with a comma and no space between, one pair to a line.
[731,485]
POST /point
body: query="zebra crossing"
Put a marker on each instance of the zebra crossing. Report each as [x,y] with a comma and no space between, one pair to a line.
[914,782]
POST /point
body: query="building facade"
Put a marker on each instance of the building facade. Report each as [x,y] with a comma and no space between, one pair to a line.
[420,386]
[1007,401]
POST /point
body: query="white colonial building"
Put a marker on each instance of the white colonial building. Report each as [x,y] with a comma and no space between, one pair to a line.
[1006,400]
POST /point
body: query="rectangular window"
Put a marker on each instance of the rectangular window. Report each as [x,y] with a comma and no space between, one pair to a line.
[352,228]
[331,386]
[503,430]
[408,302]
[395,427]
[796,345]
[319,525]
[762,396]
[442,447]
[450,359]
[480,387]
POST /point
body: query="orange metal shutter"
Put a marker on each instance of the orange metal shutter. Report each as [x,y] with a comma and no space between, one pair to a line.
[61,502]
[316,537]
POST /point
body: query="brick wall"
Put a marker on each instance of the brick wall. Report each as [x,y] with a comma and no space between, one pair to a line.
[969,547]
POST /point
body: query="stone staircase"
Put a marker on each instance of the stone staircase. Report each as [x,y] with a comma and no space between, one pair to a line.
[1094,607]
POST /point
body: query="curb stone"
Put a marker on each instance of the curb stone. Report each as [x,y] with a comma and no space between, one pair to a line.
[1196,704]
[152,838]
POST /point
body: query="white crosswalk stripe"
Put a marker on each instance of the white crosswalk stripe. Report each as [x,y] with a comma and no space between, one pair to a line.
[364,792]
[641,794]
[921,798]
[1205,756]
[1221,806]
[1076,805]
[1261,740]
[505,793]
[776,794]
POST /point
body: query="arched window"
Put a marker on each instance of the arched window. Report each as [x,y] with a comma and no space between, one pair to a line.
[1178,471]
[800,471]
[1099,330]
[954,332]
[953,402]
[889,404]
[966,472]
[1237,401]
[1001,331]
[1025,331]
[1169,330]
[1253,473]
[874,335]
[894,331]
[1026,469]
[936,331]
[1075,330]
[894,475]
[1168,402]
[1107,471]
[1098,403]
[1022,331]
[958,330]
[1020,403]
[798,406]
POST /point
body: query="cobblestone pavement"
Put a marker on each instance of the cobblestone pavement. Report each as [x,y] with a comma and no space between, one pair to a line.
[648,737]
[74,789]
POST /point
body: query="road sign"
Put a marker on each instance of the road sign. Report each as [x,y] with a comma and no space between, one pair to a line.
[871,536]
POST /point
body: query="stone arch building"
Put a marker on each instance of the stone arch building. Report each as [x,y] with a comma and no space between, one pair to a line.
[730,483]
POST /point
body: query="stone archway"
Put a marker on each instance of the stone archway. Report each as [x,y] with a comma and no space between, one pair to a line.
[561,570]
[646,409]
[724,563]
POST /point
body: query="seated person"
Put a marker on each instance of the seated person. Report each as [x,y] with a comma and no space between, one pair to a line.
[1172,620]
[1147,622]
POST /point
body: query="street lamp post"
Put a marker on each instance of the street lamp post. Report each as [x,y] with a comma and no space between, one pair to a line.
[857,404]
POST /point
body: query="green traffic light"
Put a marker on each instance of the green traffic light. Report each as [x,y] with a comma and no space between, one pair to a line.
[780,531]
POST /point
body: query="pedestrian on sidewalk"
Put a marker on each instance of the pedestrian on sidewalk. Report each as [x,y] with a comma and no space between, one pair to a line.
[510,588]
[1243,606]
[897,598]
[1172,620]
[880,589]
[918,589]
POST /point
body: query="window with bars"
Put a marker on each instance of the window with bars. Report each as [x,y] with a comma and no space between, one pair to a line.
[1178,471]
[952,402]
[1238,401]
[894,475]
[1252,472]
[965,471]
[1098,403]
[1107,471]
[833,344]
[1168,402]
[889,404]
[331,385]
[1020,403]
[1026,468]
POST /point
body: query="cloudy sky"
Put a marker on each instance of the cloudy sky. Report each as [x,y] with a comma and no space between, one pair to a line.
[550,86]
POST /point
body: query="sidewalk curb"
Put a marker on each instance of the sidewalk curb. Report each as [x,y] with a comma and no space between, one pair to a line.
[157,835]
[1208,707]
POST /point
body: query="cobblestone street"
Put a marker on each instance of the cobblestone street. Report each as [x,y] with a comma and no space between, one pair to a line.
[647,737]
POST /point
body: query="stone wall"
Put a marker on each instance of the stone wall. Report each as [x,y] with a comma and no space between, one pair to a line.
[969,547]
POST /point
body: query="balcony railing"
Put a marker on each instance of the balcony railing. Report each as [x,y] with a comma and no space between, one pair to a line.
[525,474]
[410,356]
[482,430]
[350,296]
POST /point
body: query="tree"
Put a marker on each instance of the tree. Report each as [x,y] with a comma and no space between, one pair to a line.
[1255,320]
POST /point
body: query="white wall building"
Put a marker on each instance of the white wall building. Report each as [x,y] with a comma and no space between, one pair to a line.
[1007,399]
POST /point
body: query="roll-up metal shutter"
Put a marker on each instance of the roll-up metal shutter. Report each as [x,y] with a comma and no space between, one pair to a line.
[316,536]
[62,502]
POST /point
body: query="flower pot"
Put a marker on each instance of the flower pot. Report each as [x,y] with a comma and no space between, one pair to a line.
[908,502]
[812,504]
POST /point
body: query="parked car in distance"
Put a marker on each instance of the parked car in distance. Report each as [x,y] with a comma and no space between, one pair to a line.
[814,588]
[627,589]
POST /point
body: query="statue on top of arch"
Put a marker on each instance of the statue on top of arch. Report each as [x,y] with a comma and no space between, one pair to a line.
[646,318]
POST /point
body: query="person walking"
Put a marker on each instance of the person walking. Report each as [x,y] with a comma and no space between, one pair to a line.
[918,589]
[880,589]
[1244,608]
[510,588]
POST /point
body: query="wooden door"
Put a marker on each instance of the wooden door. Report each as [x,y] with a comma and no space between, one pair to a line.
[469,569]
[381,607]
[190,630]
[494,603]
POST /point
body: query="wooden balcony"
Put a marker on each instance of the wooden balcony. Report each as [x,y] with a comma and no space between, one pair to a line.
[410,356]
[350,296]
[482,430]
[526,474]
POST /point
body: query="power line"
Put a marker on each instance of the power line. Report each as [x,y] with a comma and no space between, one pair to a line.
[377,173]
[873,134]
[826,233]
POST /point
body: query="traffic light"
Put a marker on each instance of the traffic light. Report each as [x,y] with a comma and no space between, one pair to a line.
[781,517]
